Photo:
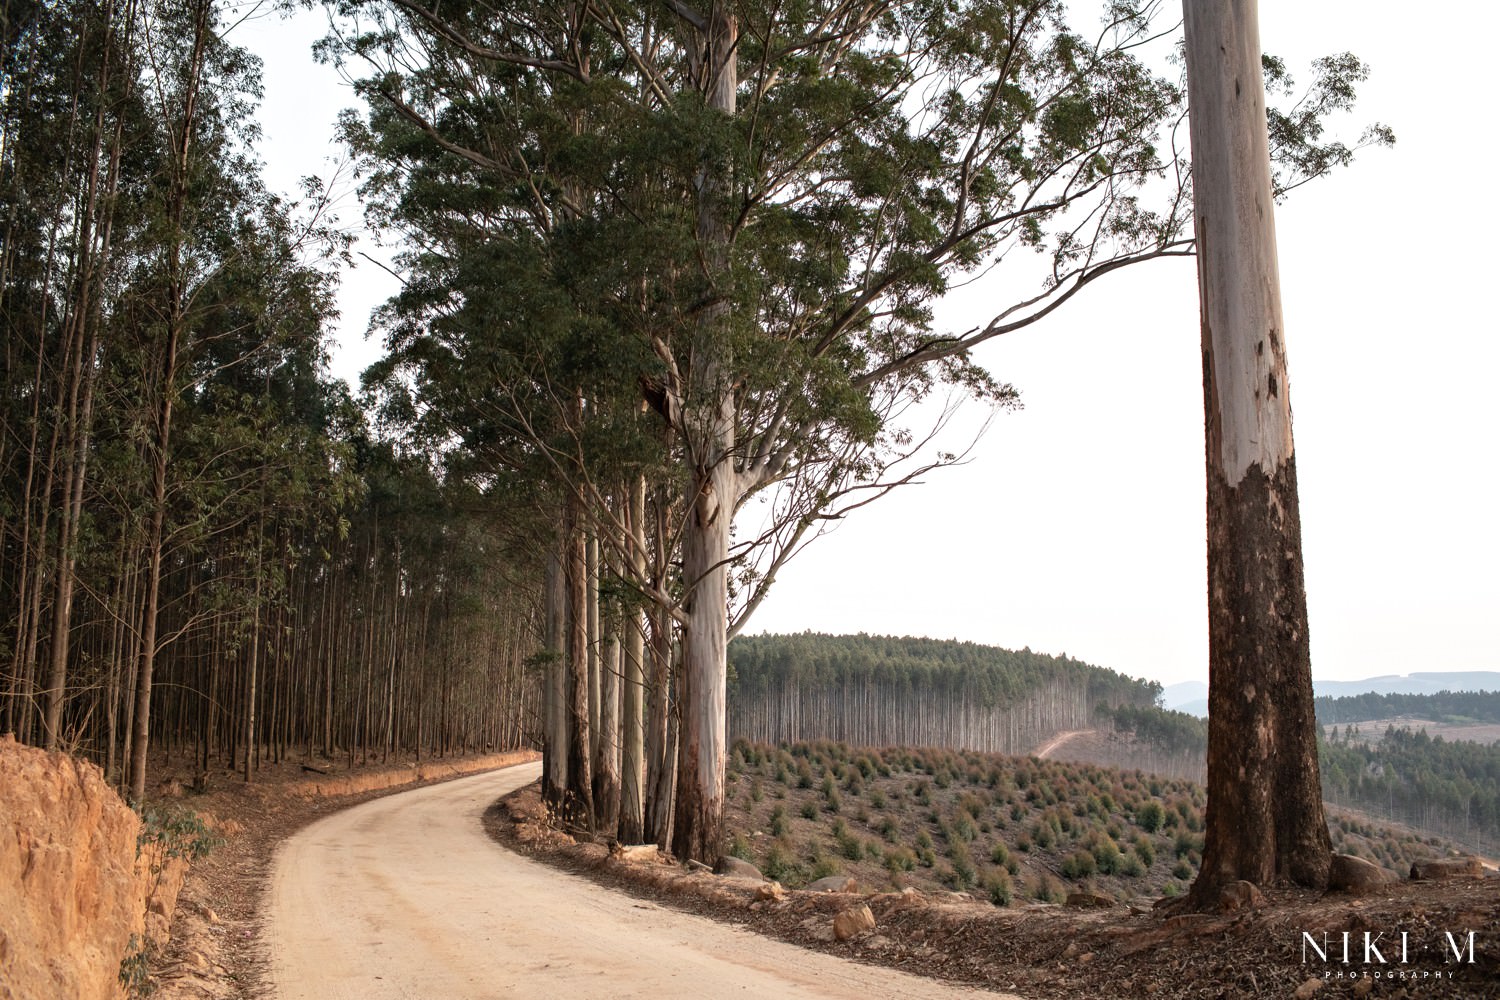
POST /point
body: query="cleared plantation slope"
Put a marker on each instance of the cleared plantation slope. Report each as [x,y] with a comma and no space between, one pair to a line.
[887,691]
[1004,828]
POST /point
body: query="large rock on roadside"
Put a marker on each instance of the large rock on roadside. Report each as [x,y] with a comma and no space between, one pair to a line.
[833,883]
[1357,876]
[733,867]
[853,922]
[1441,868]
[74,894]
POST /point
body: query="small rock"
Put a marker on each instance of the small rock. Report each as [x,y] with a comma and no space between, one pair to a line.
[1307,989]
[878,942]
[1089,899]
[1240,895]
[770,892]
[1357,876]
[912,893]
[635,853]
[834,883]
[852,922]
[1441,868]
[1363,987]
[733,867]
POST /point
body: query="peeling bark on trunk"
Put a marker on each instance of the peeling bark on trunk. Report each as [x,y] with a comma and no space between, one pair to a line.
[1265,821]
[699,822]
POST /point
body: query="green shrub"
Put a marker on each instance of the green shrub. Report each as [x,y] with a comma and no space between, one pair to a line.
[780,826]
[850,846]
[997,885]
[1078,865]
[179,831]
[964,875]
[823,865]
[1107,856]
[741,849]
[1049,890]
[781,865]
[1150,816]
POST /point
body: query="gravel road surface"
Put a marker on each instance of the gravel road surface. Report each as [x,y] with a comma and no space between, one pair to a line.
[407,898]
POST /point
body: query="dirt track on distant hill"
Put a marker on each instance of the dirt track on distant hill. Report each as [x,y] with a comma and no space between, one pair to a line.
[406,897]
[1051,745]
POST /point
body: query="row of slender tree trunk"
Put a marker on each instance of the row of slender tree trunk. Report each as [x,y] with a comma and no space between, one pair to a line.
[870,713]
[610,727]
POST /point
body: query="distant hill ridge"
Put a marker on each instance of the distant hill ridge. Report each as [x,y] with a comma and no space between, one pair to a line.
[894,691]
[1192,696]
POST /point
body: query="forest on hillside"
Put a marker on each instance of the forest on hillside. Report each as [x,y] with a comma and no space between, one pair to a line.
[888,691]
[1444,706]
[1448,787]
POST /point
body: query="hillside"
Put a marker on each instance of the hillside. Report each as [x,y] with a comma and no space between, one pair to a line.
[1457,707]
[1001,827]
[889,691]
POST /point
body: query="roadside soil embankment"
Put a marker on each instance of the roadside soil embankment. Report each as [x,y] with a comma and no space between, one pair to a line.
[81,891]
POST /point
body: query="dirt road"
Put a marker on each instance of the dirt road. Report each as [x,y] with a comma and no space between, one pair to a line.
[406,898]
[1051,745]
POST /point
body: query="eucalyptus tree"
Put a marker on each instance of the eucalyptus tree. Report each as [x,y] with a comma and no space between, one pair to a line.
[762,204]
[1265,800]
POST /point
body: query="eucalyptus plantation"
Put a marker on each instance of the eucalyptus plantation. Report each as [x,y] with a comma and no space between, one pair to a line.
[737,219]
[203,549]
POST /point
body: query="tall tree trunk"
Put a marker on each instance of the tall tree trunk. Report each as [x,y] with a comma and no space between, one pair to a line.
[709,443]
[555,741]
[1265,820]
[607,758]
[578,798]
[176,323]
[632,751]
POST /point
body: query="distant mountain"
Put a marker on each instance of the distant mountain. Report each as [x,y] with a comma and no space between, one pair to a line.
[1426,682]
[1192,696]
[1189,696]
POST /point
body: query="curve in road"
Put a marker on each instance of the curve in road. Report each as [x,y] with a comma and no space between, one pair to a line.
[406,898]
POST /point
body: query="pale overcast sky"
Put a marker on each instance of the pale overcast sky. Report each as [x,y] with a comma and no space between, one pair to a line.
[1078,527]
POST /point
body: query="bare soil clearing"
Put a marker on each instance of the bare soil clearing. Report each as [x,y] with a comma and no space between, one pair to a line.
[405,896]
